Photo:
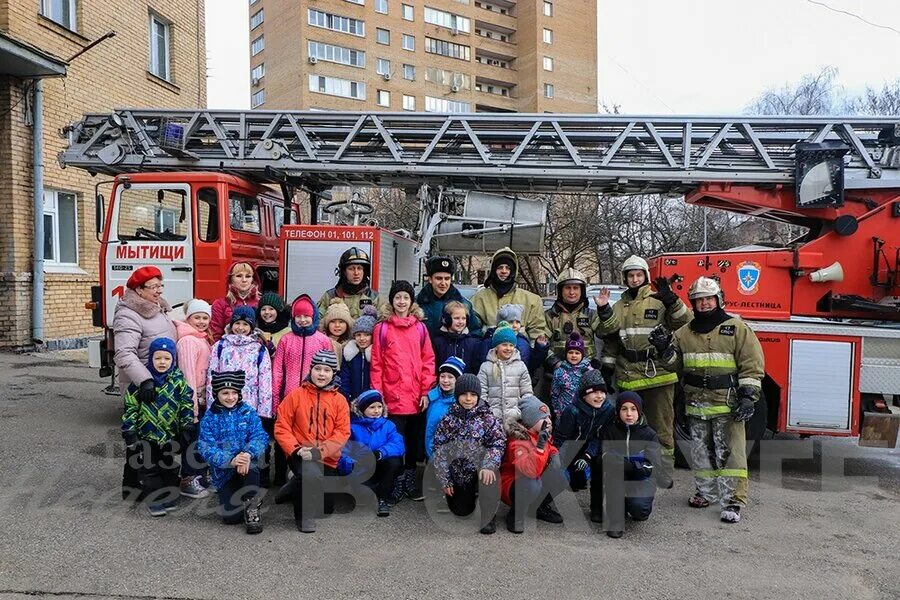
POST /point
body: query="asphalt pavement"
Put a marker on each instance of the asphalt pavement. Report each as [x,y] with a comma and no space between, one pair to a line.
[824,524]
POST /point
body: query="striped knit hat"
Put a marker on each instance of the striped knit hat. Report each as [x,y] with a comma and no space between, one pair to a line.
[453,365]
[227,380]
[324,357]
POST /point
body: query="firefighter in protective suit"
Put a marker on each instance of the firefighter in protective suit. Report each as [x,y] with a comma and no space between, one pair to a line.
[572,313]
[637,364]
[353,271]
[723,366]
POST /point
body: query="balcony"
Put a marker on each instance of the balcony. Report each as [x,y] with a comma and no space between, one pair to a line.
[494,46]
[494,67]
[495,18]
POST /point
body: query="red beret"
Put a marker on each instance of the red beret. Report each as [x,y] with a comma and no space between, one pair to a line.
[142,276]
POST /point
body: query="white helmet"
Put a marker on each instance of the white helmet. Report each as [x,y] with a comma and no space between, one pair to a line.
[705,287]
[635,263]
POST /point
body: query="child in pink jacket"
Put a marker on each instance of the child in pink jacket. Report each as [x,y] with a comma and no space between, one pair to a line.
[403,371]
[243,289]
[296,349]
[194,340]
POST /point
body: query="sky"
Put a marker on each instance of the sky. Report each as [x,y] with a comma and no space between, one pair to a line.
[669,56]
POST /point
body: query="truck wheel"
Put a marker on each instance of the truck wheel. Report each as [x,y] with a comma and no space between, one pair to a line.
[755,428]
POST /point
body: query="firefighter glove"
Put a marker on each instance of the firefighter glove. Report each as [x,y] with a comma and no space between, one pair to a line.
[608,372]
[664,292]
[746,397]
[660,339]
[147,392]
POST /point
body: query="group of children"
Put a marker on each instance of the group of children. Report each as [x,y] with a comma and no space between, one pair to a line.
[370,397]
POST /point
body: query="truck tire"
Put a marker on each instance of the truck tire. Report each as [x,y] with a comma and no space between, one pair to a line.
[755,428]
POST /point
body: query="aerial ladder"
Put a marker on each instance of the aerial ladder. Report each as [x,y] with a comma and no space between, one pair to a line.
[826,307]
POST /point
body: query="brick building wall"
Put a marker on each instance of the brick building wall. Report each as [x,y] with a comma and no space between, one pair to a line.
[111,75]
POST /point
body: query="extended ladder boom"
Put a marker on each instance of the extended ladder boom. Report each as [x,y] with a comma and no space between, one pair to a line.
[490,152]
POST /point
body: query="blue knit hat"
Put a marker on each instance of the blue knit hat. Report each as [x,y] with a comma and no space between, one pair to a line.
[503,333]
[453,365]
[244,313]
[368,398]
[163,344]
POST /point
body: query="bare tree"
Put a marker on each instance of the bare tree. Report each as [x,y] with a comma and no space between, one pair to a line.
[875,102]
[815,94]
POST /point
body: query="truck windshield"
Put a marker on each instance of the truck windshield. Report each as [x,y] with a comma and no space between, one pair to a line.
[152,214]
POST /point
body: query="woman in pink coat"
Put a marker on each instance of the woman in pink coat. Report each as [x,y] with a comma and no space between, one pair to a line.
[403,371]
[242,290]
[296,349]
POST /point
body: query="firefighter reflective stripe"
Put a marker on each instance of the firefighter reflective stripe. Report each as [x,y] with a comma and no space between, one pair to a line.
[704,411]
[680,311]
[640,384]
[700,360]
[608,360]
[749,381]
[667,451]
[628,332]
[713,473]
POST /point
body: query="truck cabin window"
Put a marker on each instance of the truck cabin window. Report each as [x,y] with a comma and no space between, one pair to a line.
[152,214]
[208,215]
[244,212]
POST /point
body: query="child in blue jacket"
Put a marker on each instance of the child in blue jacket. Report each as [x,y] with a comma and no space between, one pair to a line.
[232,441]
[441,398]
[532,357]
[355,368]
[371,433]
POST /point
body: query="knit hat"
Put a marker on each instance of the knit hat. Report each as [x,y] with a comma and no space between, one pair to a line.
[337,311]
[467,383]
[368,398]
[440,264]
[197,306]
[244,313]
[163,344]
[227,380]
[511,312]
[324,357]
[401,286]
[575,342]
[303,305]
[272,299]
[366,321]
[533,410]
[142,276]
[630,397]
[503,334]
[592,381]
[453,365]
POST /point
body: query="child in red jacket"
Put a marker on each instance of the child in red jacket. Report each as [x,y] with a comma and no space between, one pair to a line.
[531,472]
[403,371]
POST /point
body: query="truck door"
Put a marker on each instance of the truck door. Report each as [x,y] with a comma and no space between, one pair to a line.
[150,225]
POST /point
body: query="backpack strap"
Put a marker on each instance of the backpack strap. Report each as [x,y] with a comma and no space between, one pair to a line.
[382,334]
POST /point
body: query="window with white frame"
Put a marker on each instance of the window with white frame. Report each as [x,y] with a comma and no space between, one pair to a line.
[444,105]
[258,98]
[334,86]
[360,2]
[408,12]
[160,42]
[548,63]
[548,36]
[317,18]
[63,12]
[383,66]
[548,9]
[256,19]
[258,72]
[449,20]
[384,98]
[381,6]
[337,54]
[60,228]
[409,42]
[447,77]
[409,72]
[435,46]
[258,45]
[409,102]
[548,90]
[383,36]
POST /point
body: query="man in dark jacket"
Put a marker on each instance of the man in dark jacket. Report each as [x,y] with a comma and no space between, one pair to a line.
[439,291]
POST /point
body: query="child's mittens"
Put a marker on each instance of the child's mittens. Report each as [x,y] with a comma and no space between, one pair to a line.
[543,437]
[345,465]
[581,464]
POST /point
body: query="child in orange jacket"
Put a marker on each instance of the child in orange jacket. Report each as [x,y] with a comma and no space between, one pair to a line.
[531,472]
[312,428]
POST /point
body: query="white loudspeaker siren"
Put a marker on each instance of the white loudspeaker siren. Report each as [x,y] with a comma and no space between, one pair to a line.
[833,272]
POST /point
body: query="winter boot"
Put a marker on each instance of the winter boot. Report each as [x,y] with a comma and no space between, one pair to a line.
[597,517]
[251,516]
[156,509]
[731,514]
[192,487]
[399,491]
[547,512]
[615,534]
[490,528]
[384,509]
[514,525]
[413,489]
[307,525]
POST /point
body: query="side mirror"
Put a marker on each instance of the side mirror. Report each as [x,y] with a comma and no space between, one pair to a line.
[99,213]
